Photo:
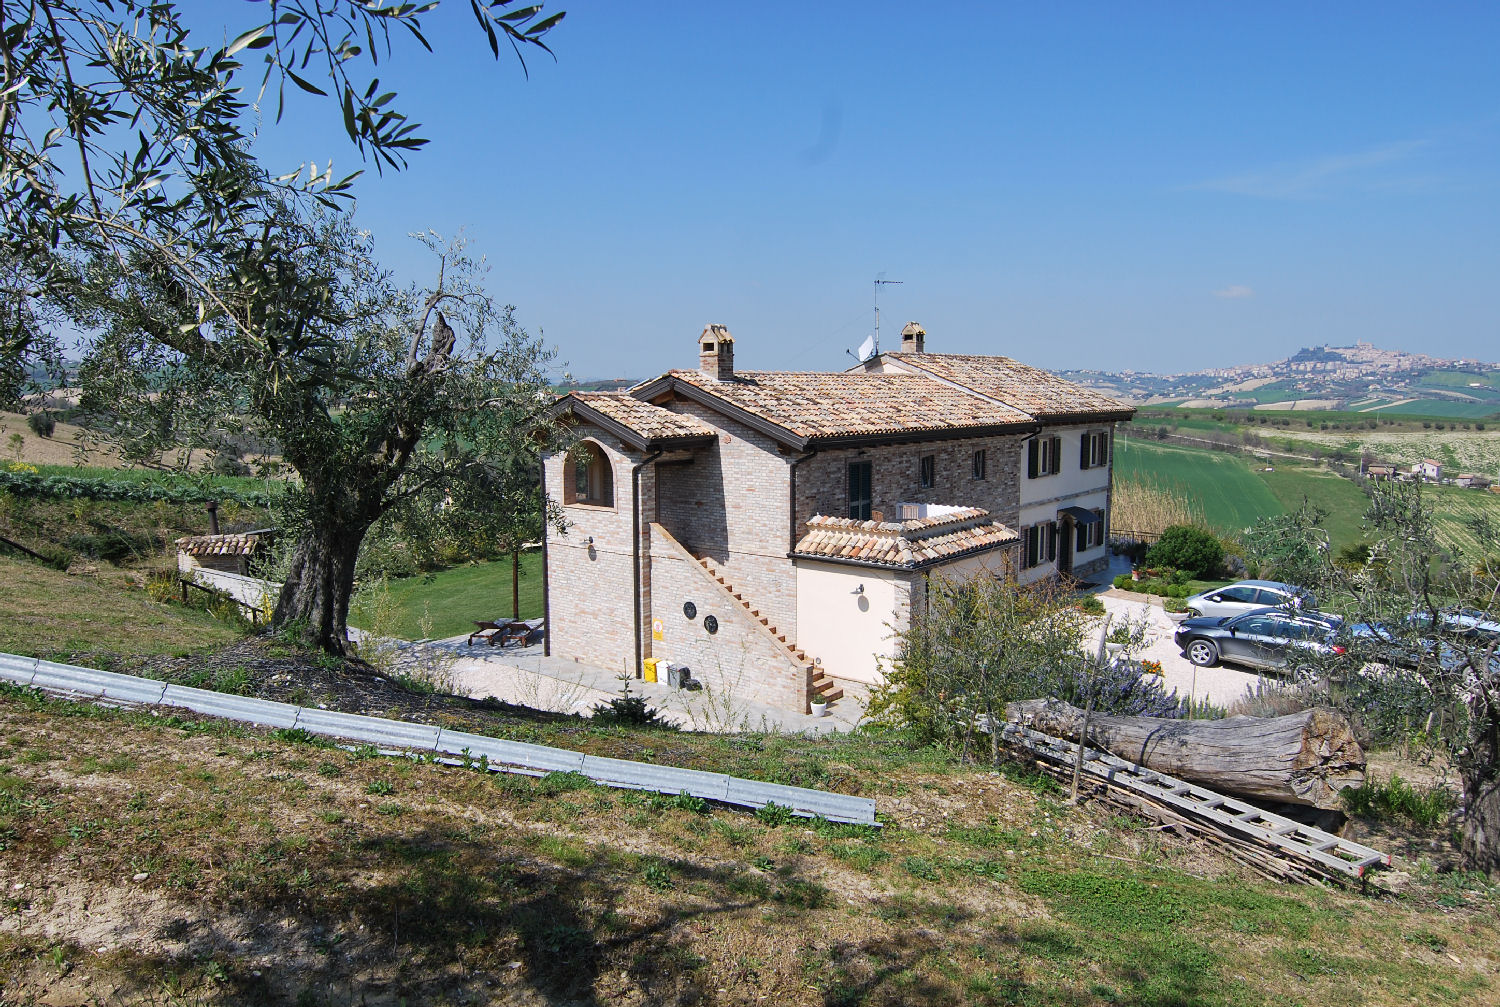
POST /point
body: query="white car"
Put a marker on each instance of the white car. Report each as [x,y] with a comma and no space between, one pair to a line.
[1247,596]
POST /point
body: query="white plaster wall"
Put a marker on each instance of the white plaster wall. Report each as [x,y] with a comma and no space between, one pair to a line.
[1071,479]
[850,633]
[853,634]
[1096,500]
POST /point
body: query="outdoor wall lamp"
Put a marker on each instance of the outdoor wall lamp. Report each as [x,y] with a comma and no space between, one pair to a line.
[858,590]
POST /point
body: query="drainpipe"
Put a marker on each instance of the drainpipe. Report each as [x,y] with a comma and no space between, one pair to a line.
[635,552]
[546,573]
[792,501]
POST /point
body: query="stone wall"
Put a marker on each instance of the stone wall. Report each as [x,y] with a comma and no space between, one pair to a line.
[590,586]
[741,657]
[823,479]
[731,503]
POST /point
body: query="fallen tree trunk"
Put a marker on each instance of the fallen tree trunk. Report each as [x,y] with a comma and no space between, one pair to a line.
[1305,758]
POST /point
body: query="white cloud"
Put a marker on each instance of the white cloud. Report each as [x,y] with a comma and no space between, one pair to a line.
[1235,292]
[1306,179]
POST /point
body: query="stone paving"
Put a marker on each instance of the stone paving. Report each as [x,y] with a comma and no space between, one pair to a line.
[526,676]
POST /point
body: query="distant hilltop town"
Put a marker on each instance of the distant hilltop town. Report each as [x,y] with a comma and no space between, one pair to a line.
[1362,377]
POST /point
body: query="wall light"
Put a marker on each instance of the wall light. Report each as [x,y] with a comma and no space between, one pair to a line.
[858,590]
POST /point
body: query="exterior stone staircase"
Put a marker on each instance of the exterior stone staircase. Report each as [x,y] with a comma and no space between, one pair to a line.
[821,688]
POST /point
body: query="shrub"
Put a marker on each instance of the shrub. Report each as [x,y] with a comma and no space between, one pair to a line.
[41,424]
[1188,548]
[1125,582]
[630,711]
[1090,604]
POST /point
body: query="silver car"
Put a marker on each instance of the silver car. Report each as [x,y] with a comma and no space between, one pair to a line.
[1248,595]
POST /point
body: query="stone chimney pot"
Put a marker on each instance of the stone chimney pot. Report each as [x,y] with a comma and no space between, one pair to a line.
[913,338]
[716,352]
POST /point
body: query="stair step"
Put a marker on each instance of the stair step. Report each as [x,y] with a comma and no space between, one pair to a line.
[829,694]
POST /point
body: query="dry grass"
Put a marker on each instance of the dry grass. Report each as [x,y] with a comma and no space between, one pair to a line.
[195,863]
[1151,507]
[49,613]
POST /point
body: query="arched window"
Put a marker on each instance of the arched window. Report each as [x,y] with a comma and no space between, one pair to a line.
[588,476]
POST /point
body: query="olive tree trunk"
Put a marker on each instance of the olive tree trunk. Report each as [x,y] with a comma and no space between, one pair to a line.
[314,602]
[1480,772]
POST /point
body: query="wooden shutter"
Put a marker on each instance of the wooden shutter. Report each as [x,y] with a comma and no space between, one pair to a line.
[570,480]
[1034,449]
[1057,454]
[1082,537]
[1051,541]
[1083,454]
[1104,442]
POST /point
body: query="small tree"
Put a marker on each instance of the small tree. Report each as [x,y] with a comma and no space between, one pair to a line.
[1425,674]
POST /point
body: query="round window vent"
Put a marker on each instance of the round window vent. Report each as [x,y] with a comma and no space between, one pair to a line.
[690,610]
[711,624]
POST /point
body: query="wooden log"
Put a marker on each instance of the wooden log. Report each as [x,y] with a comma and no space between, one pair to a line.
[1305,758]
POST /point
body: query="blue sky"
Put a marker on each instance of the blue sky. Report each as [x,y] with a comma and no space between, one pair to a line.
[1149,186]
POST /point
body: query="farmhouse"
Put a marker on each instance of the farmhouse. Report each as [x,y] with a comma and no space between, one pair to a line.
[1428,470]
[776,530]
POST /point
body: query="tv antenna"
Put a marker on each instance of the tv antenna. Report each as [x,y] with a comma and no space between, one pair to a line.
[880,281]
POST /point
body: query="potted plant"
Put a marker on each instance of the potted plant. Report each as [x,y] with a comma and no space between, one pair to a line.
[1117,641]
[1176,609]
[819,707]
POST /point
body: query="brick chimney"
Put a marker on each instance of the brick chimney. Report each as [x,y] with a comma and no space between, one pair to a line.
[716,352]
[913,338]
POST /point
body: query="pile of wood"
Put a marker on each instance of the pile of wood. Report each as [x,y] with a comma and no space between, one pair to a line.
[1302,759]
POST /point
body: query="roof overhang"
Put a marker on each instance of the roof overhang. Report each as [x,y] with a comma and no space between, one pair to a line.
[634,438]
[671,384]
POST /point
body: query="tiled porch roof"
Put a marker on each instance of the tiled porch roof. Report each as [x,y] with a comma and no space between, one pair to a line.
[236,544]
[904,545]
[1040,393]
[635,421]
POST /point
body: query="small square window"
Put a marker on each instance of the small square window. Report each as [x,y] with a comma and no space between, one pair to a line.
[979,464]
[927,472]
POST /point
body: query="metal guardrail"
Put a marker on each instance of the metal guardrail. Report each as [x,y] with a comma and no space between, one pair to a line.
[397,737]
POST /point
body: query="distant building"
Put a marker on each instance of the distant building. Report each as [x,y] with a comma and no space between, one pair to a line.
[1469,480]
[1380,471]
[1428,469]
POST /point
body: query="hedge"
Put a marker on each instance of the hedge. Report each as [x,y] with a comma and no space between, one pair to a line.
[23,481]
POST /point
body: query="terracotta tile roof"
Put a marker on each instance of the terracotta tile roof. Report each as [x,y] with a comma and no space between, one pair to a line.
[904,544]
[650,424]
[237,544]
[1039,393]
[817,405]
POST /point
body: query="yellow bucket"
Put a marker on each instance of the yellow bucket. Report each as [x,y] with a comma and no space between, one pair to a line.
[650,669]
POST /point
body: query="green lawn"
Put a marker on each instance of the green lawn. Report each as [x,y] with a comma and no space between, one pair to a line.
[455,598]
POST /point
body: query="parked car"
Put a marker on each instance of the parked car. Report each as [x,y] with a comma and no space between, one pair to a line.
[1412,643]
[1247,595]
[1271,638]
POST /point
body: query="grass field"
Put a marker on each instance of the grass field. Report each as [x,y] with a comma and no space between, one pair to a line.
[47,613]
[1231,496]
[457,597]
[1233,492]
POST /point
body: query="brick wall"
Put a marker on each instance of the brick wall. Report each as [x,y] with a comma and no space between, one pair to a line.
[741,656]
[822,480]
[590,586]
[731,504]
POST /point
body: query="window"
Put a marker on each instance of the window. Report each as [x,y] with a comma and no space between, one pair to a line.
[588,477]
[927,471]
[1241,595]
[979,464]
[859,490]
[1042,459]
[1090,536]
[1039,544]
[1094,450]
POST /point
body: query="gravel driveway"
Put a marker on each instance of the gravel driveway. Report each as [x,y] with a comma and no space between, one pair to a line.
[1221,685]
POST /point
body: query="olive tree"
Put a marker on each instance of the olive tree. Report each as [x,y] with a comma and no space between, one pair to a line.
[123,133]
[1423,668]
[373,393]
